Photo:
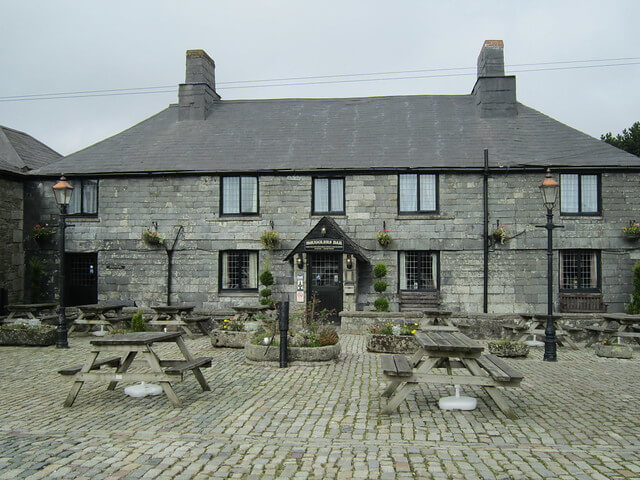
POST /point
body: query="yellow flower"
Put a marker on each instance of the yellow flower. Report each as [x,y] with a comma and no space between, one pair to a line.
[413,332]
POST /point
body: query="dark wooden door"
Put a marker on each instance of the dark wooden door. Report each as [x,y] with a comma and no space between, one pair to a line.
[325,282]
[80,278]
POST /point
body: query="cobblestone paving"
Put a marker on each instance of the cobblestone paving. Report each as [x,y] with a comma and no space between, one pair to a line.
[577,419]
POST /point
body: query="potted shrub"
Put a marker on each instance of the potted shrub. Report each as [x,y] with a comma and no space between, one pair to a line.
[507,348]
[152,238]
[270,239]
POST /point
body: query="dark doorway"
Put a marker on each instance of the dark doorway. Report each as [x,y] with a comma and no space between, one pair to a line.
[81,278]
[325,282]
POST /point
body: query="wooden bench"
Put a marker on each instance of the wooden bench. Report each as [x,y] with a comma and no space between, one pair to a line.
[595,331]
[111,362]
[513,329]
[179,367]
[396,366]
[499,370]
[634,335]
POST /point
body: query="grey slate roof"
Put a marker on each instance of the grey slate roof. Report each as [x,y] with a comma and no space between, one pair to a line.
[20,152]
[423,131]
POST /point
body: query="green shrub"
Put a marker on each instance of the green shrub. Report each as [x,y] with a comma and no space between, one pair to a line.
[265,292]
[381,304]
[634,306]
[137,322]
[380,286]
[266,278]
[267,301]
[380,270]
[381,329]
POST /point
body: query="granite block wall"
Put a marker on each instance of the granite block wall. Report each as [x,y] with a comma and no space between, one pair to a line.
[517,270]
[11,233]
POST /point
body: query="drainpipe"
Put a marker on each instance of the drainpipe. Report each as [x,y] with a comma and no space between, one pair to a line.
[170,264]
[485,232]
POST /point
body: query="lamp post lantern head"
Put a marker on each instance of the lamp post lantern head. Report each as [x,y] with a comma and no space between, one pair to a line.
[62,191]
[549,189]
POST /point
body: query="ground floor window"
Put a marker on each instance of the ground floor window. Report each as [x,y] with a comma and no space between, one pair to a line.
[239,270]
[418,270]
[580,271]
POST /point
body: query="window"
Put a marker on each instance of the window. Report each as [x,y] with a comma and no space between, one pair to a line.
[239,270]
[239,196]
[84,198]
[580,270]
[579,194]
[417,193]
[418,270]
[328,195]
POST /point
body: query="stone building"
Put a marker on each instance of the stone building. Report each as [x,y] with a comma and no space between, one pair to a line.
[19,154]
[438,172]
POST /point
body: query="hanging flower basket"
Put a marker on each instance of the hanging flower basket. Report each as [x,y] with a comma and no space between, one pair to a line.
[42,234]
[384,238]
[152,238]
[499,235]
[270,239]
[632,231]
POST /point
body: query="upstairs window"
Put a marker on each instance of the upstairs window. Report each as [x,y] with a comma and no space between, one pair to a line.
[417,193]
[84,197]
[239,270]
[328,196]
[579,194]
[580,271]
[418,270]
[239,196]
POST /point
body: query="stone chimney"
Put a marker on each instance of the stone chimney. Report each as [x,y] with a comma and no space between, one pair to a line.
[495,93]
[197,95]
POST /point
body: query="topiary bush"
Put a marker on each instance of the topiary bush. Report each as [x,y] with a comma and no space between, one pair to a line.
[634,306]
[380,286]
[266,279]
[381,304]
[380,270]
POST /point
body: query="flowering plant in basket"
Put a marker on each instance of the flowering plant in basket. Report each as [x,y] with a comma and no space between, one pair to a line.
[384,238]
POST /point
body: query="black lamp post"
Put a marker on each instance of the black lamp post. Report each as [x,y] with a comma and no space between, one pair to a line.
[62,192]
[549,189]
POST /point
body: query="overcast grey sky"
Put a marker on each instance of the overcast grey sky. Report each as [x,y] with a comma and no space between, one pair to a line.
[68,46]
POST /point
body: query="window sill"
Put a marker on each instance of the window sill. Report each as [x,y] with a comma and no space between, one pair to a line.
[581,216]
[333,215]
[80,219]
[425,216]
[242,218]
[230,293]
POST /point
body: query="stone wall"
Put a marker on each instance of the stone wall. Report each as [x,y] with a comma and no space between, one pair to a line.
[130,270]
[11,251]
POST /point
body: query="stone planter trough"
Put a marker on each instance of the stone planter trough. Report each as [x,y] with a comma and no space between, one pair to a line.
[614,351]
[260,353]
[25,335]
[404,344]
[228,339]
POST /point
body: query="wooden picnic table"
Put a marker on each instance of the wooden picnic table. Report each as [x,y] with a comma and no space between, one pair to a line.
[97,314]
[449,350]
[534,324]
[438,320]
[178,316]
[31,310]
[127,347]
[618,325]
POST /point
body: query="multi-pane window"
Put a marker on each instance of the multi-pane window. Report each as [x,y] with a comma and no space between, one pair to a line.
[84,197]
[239,195]
[418,270]
[580,270]
[579,194]
[239,270]
[418,193]
[328,195]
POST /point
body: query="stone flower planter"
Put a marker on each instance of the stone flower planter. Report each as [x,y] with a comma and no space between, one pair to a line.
[260,353]
[25,335]
[228,339]
[508,349]
[404,344]
[614,351]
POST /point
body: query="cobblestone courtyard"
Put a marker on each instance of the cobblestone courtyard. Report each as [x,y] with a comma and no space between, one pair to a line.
[577,418]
